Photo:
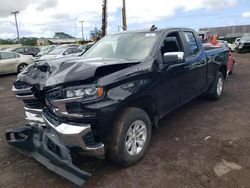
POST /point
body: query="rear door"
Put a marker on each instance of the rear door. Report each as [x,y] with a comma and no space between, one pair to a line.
[8,62]
[196,63]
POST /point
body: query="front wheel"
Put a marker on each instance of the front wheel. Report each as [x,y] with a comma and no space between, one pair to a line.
[131,137]
[21,67]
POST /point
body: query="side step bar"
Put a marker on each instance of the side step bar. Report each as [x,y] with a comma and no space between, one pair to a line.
[46,148]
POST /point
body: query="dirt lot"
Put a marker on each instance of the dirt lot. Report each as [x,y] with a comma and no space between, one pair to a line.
[186,151]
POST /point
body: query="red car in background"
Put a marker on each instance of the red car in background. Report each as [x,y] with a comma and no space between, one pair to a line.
[230,63]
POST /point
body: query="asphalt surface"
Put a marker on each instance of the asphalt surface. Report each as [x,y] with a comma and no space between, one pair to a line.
[202,144]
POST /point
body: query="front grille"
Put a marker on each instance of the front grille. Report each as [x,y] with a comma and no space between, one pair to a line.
[21,85]
[48,113]
[54,94]
[89,139]
[33,104]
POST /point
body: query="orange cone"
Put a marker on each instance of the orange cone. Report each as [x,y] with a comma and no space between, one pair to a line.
[214,40]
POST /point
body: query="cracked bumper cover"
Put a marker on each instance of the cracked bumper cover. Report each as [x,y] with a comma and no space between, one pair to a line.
[47,148]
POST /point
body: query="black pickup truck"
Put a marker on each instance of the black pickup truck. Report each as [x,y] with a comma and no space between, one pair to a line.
[106,102]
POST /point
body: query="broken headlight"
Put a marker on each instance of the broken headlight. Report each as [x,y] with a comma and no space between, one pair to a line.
[87,93]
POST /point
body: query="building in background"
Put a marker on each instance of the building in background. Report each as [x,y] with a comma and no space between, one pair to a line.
[229,33]
[58,41]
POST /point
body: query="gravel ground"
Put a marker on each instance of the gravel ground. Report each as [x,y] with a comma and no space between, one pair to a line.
[202,144]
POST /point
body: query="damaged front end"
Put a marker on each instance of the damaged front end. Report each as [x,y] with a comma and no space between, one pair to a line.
[49,140]
[46,148]
[68,110]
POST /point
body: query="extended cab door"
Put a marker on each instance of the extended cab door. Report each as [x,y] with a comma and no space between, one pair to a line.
[196,63]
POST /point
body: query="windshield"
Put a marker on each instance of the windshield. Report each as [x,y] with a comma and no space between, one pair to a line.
[56,51]
[133,46]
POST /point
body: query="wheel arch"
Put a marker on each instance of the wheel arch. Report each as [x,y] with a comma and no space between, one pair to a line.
[223,70]
[146,103]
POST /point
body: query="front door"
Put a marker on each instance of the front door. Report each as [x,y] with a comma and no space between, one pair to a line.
[173,89]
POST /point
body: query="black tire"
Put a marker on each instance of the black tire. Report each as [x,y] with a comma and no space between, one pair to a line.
[21,67]
[216,93]
[117,149]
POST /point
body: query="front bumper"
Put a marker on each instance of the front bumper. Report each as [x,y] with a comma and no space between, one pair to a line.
[70,135]
[50,141]
[45,146]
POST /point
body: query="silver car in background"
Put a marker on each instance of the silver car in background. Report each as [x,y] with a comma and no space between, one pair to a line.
[11,62]
[60,52]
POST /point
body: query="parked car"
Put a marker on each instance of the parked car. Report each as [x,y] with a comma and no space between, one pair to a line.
[45,50]
[62,52]
[232,47]
[107,101]
[244,44]
[11,62]
[230,63]
[29,50]
[237,42]
[63,46]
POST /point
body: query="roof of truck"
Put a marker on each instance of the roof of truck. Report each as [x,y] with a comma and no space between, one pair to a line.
[156,30]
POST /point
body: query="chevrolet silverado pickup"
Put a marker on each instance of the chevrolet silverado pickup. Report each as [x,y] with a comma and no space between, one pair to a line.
[106,102]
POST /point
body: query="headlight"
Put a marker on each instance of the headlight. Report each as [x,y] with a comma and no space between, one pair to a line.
[87,93]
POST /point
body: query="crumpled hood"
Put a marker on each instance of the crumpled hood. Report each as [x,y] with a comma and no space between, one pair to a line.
[50,73]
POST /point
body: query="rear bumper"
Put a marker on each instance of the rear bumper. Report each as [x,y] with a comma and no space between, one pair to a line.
[45,146]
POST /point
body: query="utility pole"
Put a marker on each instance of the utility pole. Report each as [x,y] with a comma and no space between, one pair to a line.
[82,29]
[104,17]
[124,18]
[17,31]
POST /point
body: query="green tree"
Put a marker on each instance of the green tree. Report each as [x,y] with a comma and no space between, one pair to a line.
[62,35]
[96,34]
[28,41]
[7,41]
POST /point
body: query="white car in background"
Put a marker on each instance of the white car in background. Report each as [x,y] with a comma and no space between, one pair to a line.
[62,52]
[232,47]
[237,42]
[11,62]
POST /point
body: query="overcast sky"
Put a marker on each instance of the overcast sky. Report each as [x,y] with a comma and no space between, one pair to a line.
[42,18]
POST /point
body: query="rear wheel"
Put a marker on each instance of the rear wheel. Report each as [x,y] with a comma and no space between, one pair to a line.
[21,67]
[131,136]
[217,87]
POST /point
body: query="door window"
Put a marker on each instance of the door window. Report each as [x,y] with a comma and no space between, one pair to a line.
[171,43]
[192,44]
[77,50]
[19,50]
[7,55]
[68,51]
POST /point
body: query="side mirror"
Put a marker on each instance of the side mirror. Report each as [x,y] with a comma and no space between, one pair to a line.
[66,53]
[173,57]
